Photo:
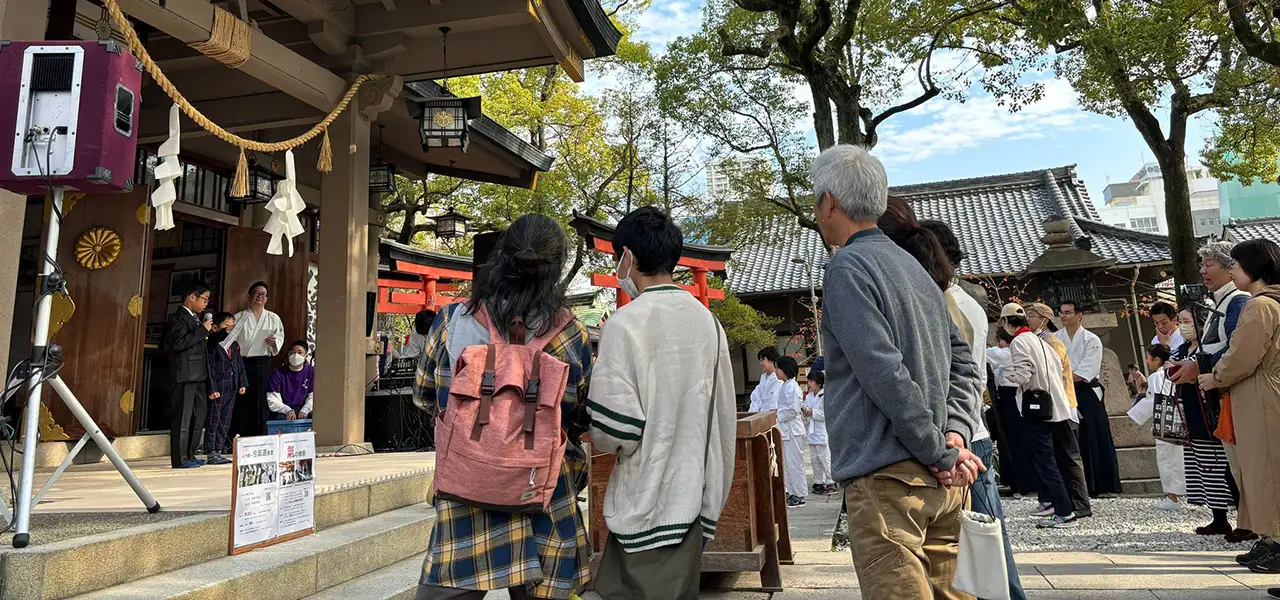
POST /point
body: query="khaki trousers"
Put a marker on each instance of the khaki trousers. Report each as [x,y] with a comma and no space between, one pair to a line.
[904,531]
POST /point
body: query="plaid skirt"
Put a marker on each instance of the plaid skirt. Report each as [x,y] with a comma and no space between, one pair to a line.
[477,549]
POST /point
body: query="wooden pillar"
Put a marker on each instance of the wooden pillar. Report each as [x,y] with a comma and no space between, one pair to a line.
[19,20]
[429,286]
[700,281]
[340,318]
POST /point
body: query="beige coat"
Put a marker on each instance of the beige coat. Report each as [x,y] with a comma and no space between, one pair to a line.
[1251,367]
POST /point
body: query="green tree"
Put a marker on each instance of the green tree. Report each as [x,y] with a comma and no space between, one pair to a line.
[1136,58]
[860,63]
[743,324]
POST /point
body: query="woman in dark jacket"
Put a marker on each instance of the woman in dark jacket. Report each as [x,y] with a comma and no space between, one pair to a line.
[1209,481]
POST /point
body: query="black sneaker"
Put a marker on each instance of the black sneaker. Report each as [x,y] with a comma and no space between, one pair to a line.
[1274,592]
[1269,564]
[1259,551]
[795,502]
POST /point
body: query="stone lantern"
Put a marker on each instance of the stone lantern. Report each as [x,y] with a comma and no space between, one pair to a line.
[1064,271]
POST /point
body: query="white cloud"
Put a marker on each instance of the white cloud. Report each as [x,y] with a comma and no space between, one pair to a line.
[667,20]
[955,127]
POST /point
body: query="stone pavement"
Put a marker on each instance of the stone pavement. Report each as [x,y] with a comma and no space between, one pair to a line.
[820,574]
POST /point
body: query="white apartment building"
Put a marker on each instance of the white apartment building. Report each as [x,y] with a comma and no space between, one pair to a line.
[1139,203]
[721,171]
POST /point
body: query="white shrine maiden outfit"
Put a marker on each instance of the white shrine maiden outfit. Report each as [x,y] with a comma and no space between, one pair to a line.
[793,438]
[819,452]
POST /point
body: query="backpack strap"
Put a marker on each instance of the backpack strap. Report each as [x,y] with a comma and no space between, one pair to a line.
[531,399]
[488,382]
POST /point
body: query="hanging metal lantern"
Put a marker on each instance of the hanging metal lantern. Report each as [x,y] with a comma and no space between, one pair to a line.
[382,177]
[382,174]
[262,185]
[451,225]
[443,122]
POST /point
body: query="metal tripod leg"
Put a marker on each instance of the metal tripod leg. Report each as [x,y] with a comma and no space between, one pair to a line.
[93,431]
[31,418]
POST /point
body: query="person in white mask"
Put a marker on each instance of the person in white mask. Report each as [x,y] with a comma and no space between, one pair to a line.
[292,387]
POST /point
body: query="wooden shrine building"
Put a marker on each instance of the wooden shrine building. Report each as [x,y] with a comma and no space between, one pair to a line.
[302,57]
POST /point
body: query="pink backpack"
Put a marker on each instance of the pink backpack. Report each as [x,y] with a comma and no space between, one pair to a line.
[499,441]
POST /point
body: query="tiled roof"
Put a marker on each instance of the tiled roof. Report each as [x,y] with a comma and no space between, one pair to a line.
[1239,230]
[997,219]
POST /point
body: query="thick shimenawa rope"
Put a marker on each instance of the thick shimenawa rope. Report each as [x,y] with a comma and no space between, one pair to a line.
[240,184]
[229,42]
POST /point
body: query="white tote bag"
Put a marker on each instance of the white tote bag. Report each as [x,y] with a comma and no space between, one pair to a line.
[980,567]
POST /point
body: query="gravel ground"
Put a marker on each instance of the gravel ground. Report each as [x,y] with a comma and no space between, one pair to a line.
[1117,525]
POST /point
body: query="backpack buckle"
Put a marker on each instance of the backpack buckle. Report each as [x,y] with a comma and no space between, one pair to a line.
[488,383]
[531,391]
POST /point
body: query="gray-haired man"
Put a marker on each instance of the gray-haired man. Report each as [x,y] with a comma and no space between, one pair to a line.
[900,388]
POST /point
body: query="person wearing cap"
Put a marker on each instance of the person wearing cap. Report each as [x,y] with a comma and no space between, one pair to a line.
[1101,468]
[1034,366]
[1040,320]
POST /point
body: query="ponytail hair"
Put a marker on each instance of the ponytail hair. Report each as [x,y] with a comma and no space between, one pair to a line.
[521,278]
[900,224]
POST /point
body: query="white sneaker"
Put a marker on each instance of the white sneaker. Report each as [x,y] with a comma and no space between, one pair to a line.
[1167,504]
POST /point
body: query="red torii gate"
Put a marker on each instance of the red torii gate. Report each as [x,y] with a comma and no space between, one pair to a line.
[426,274]
[698,258]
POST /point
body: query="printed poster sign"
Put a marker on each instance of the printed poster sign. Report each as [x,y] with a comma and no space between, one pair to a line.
[273,489]
[297,483]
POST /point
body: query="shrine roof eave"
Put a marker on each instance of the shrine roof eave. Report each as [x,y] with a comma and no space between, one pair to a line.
[590,228]
[390,252]
[597,26]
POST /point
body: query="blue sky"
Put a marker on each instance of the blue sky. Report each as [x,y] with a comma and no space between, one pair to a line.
[950,140]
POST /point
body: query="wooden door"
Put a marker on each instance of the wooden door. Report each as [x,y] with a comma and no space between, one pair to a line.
[248,262]
[102,342]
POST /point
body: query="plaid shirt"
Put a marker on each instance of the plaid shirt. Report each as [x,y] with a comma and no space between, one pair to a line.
[226,373]
[476,549]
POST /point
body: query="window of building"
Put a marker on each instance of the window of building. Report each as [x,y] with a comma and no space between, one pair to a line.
[1145,224]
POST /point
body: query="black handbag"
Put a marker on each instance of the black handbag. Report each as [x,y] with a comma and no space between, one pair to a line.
[1037,405]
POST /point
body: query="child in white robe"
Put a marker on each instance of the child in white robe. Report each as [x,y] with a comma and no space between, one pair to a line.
[819,452]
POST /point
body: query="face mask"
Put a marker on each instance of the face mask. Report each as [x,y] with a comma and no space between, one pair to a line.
[297,359]
[218,336]
[1187,330]
[628,286]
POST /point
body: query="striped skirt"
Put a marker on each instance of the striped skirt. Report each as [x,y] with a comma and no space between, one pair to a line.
[1208,475]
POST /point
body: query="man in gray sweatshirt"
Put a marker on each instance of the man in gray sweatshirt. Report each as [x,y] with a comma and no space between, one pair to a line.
[900,387]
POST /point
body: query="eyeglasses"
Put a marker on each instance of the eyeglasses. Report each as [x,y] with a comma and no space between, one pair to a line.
[258,295]
[204,298]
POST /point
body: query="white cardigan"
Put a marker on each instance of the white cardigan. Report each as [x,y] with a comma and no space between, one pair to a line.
[1034,365]
[651,404]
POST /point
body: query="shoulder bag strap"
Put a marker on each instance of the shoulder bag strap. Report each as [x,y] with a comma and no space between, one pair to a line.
[715,387]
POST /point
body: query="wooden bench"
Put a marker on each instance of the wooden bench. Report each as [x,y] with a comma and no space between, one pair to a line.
[752,534]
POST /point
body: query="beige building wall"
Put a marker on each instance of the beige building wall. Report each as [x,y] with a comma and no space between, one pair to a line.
[19,20]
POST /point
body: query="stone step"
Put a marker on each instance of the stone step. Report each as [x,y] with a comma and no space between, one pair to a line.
[1137,463]
[294,569]
[84,564]
[396,582]
[1127,434]
[1141,487]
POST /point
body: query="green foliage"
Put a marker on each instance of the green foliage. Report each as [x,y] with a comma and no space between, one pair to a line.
[1136,58]
[743,324]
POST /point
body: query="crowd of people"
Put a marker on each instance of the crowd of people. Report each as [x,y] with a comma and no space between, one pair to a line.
[905,413]
[223,381]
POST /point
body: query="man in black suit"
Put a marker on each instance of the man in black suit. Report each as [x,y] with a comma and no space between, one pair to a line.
[185,343]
